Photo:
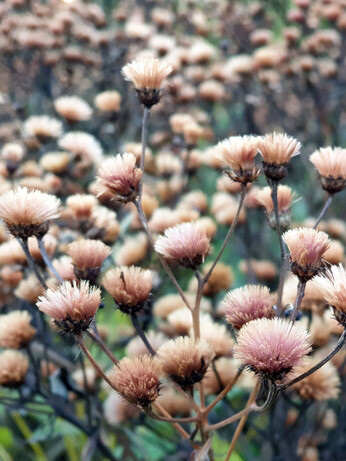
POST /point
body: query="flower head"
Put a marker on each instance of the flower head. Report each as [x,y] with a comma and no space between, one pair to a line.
[271,347]
[13,368]
[185,360]
[87,258]
[28,212]
[73,108]
[84,146]
[147,76]
[247,303]
[42,127]
[72,306]
[119,177]
[137,380]
[239,152]
[108,101]
[277,149]
[15,330]
[129,286]
[331,165]
[186,243]
[285,196]
[307,247]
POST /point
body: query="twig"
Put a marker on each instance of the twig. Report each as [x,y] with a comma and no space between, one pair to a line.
[324,210]
[24,244]
[141,334]
[298,301]
[47,260]
[95,337]
[145,124]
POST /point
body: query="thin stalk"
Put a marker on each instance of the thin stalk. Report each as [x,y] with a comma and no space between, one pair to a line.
[144,222]
[192,419]
[141,333]
[229,233]
[80,342]
[95,337]
[242,421]
[339,345]
[86,388]
[145,124]
[24,244]
[298,301]
[324,210]
[47,260]
[196,309]
[225,391]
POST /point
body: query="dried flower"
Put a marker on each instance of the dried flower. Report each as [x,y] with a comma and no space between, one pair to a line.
[271,347]
[13,368]
[147,76]
[42,127]
[15,330]
[185,360]
[217,336]
[72,306]
[120,177]
[29,289]
[73,108]
[108,101]
[116,409]
[137,380]
[277,149]
[239,152]
[186,243]
[129,286]
[173,402]
[285,196]
[84,146]
[331,165]
[226,368]
[133,250]
[247,303]
[28,212]
[81,205]
[307,247]
[87,258]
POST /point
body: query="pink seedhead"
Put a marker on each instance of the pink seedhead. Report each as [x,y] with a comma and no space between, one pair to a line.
[271,347]
[186,243]
[307,247]
[248,303]
[72,306]
[87,258]
[331,165]
[285,196]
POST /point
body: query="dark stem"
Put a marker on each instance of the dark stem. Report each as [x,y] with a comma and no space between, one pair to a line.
[141,333]
[86,388]
[324,210]
[47,260]
[95,337]
[337,348]
[24,244]
[299,299]
[145,124]
[229,233]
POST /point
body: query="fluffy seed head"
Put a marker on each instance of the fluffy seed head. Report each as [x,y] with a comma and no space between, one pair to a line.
[72,306]
[28,212]
[129,286]
[73,108]
[307,247]
[185,360]
[42,127]
[239,152]
[84,146]
[271,347]
[108,101]
[119,177]
[87,257]
[81,205]
[247,303]
[331,165]
[285,196]
[15,330]
[186,243]
[137,380]
[277,149]
[13,368]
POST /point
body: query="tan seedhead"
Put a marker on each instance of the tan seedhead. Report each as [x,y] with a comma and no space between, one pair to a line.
[285,196]
[13,368]
[73,108]
[108,101]
[42,127]
[331,165]
[16,330]
[87,258]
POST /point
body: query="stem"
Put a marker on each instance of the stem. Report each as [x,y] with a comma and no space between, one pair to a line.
[324,210]
[242,421]
[144,222]
[145,124]
[170,419]
[82,346]
[24,245]
[196,309]
[229,233]
[299,299]
[95,337]
[86,388]
[141,333]
[337,348]
[225,391]
[47,260]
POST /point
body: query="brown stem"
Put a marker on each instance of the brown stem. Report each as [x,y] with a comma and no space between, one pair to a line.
[299,299]
[169,419]
[145,124]
[229,233]
[47,260]
[324,210]
[141,334]
[24,244]
[95,337]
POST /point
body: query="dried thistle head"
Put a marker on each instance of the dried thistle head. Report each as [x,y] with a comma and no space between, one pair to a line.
[133,250]
[137,380]
[81,205]
[116,409]
[42,127]
[16,330]
[87,258]
[56,162]
[186,243]
[72,306]
[147,75]
[285,196]
[120,177]
[108,101]
[85,147]
[271,347]
[13,368]
[277,149]
[73,108]
[307,247]
[129,287]
[29,289]
[185,360]
[28,212]
[239,152]
[217,336]
[247,303]
[226,369]
[331,165]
